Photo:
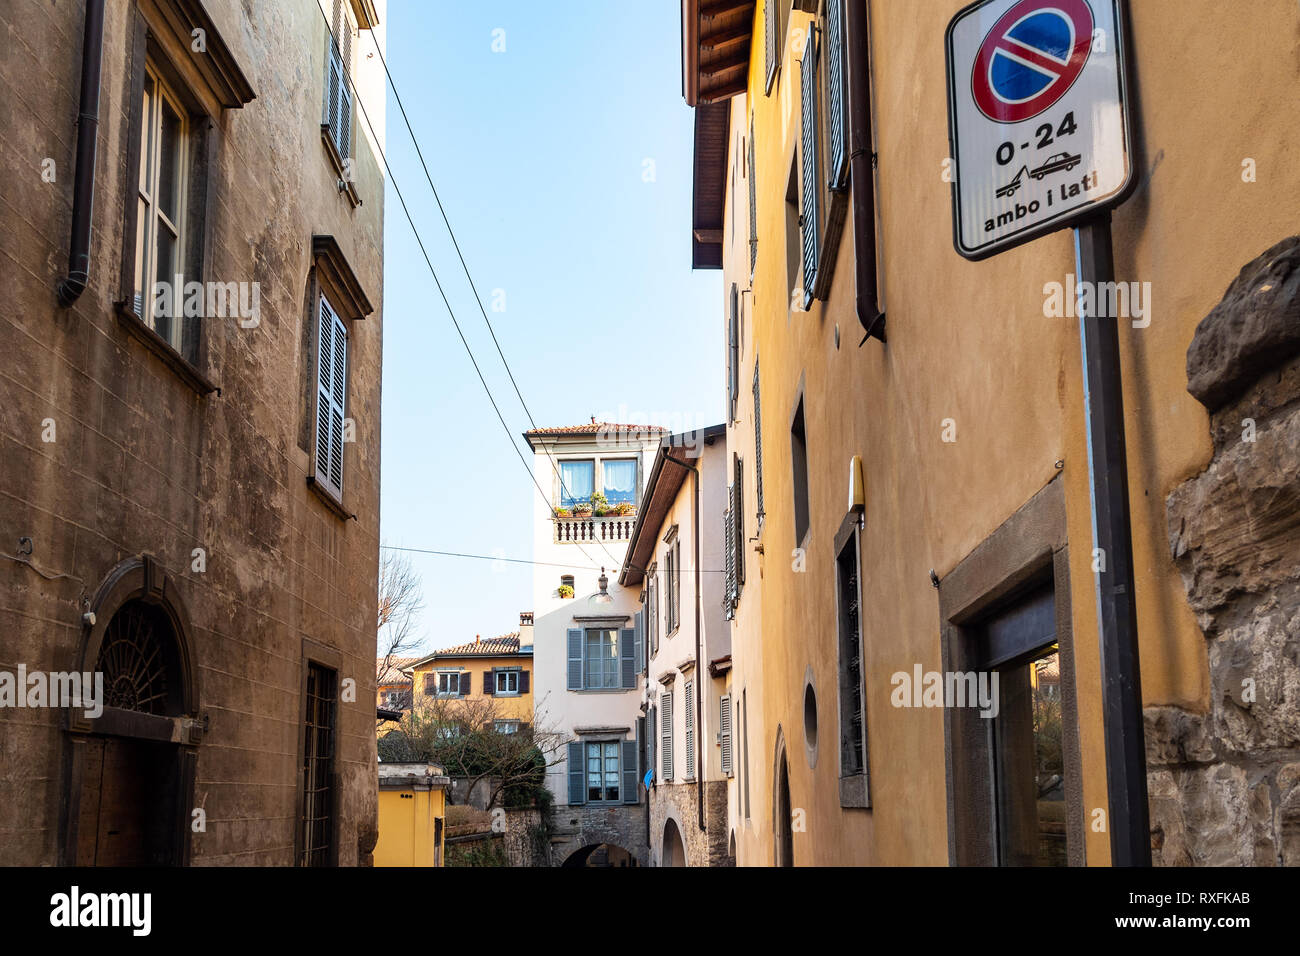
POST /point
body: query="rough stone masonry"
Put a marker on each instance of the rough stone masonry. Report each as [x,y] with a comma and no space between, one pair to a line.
[1225,785]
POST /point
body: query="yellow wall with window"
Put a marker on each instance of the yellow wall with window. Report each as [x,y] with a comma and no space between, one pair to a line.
[506,706]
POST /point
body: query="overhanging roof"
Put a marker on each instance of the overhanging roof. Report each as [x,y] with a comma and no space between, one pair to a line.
[709,184]
[715,49]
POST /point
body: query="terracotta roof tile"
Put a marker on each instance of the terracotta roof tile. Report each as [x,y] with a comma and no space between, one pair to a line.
[596,428]
[394,674]
[493,646]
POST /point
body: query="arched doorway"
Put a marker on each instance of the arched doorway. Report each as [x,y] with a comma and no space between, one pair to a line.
[782,833]
[131,759]
[674,849]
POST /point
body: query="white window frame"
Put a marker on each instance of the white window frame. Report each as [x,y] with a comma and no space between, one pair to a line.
[603,755]
[506,726]
[617,659]
[438,690]
[501,684]
[147,221]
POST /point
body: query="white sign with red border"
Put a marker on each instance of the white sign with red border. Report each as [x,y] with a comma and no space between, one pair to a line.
[1036,118]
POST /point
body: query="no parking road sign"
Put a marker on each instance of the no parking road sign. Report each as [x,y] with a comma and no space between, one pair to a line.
[1036,118]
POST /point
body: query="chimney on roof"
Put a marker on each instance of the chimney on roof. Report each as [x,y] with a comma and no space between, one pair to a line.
[478,638]
[593,419]
[525,631]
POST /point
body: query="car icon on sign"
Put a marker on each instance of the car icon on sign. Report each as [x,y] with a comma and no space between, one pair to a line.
[1055,164]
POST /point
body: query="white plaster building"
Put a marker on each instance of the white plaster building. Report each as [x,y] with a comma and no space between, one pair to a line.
[588,657]
[681,559]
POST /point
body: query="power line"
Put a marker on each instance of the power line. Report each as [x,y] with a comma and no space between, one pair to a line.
[465,266]
[347,74]
[548,564]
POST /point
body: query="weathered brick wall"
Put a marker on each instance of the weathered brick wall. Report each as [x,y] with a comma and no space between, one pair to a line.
[1225,785]
[142,463]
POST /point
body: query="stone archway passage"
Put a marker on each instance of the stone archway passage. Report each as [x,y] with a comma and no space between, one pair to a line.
[674,848]
[600,856]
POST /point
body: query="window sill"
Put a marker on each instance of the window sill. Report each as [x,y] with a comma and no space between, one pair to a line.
[345,185]
[160,347]
[331,502]
[601,690]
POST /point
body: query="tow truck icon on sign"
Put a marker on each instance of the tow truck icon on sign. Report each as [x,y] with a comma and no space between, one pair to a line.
[1054,164]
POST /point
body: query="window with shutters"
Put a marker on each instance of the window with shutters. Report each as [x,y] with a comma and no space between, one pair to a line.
[603,772]
[602,659]
[652,609]
[751,175]
[776,22]
[744,721]
[666,735]
[337,123]
[673,583]
[688,719]
[331,399]
[823,151]
[738,520]
[724,734]
[729,561]
[758,450]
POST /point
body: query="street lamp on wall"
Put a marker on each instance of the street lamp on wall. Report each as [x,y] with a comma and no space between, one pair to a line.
[603,596]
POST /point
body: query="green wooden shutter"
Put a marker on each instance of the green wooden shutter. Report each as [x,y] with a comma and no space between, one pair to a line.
[836,124]
[630,775]
[577,773]
[627,655]
[811,186]
[724,733]
[728,561]
[574,635]
[733,355]
[331,391]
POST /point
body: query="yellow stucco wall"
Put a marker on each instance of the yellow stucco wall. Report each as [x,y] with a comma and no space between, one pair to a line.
[409,833]
[969,342]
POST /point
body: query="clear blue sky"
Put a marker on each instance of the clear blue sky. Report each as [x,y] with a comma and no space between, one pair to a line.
[539,156]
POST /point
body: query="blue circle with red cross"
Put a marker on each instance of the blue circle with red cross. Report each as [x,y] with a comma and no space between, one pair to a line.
[1031,57]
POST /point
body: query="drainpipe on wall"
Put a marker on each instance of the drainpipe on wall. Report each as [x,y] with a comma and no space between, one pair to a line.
[861,165]
[83,189]
[699,689]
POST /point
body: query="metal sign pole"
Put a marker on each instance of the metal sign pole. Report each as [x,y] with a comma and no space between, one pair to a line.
[1126,778]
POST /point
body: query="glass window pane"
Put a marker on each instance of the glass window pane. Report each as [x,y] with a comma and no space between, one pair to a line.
[146,135]
[165,271]
[577,482]
[169,162]
[620,480]
[142,220]
[1030,764]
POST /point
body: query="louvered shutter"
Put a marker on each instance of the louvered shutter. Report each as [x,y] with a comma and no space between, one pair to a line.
[688,716]
[523,682]
[652,739]
[729,561]
[430,685]
[574,635]
[758,447]
[810,187]
[331,382]
[630,775]
[345,95]
[738,524]
[836,125]
[724,733]
[666,733]
[652,613]
[627,655]
[753,202]
[466,684]
[577,772]
[769,42]
[638,624]
[489,683]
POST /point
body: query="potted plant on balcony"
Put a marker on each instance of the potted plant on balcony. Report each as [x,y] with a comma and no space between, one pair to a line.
[582,510]
[599,504]
[563,513]
[623,509]
[566,591]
